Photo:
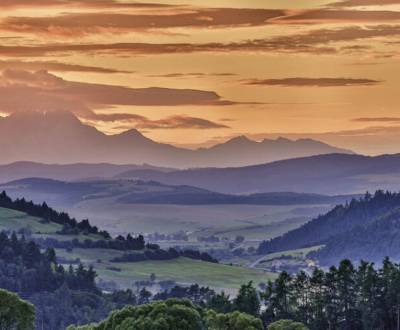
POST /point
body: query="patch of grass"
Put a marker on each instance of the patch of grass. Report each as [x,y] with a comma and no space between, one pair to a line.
[300,253]
[15,220]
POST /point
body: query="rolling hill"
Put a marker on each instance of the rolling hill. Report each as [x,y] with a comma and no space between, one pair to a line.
[367,228]
[60,137]
[124,273]
[323,174]
[67,194]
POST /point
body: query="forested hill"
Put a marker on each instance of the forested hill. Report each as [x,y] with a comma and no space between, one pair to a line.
[345,230]
[48,214]
[372,242]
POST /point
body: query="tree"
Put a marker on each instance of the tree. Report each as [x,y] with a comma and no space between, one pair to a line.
[247,300]
[15,313]
[169,314]
[174,314]
[220,303]
[232,321]
[287,325]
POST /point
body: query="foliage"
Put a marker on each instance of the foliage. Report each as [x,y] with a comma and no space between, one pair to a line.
[232,321]
[247,300]
[160,254]
[287,325]
[61,296]
[15,313]
[346,297]
[174,314]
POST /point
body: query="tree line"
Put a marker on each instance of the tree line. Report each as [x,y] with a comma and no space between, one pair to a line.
[160,254]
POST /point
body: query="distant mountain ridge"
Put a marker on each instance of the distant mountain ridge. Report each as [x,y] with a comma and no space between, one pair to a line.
[69,172]
[66,194]
[60,137]
[330,174]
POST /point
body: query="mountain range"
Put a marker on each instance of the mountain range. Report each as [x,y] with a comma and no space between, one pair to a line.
[330,174]
[60,137]
[68,194]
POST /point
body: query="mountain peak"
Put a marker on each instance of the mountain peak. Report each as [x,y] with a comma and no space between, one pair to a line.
[239,139]
[44,116]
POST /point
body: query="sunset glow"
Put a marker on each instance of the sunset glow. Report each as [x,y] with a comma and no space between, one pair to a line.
[222,68]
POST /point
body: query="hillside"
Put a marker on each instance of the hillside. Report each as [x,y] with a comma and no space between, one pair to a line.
[373,242]
[67,194]
[109,255]
[367,229]
[324,174]
[60,137]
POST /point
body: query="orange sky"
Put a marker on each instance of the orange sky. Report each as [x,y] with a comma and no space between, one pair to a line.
[314,68]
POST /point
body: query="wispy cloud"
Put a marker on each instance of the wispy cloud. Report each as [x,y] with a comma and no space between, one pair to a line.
[377,119]
[312,82]
[358,3]
[193,75]
[76,24]
[128,121]
[319,41]
[54,66]
[78,3]
[323,16]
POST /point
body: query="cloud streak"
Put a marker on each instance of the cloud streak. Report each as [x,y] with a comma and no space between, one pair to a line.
[172,122]
[6,4]
[54,66]
[358,3]
[78,24]
[319,41]
[312,82]
[377,119]
[337,16]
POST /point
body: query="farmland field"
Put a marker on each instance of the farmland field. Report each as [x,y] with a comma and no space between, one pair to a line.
[181,270]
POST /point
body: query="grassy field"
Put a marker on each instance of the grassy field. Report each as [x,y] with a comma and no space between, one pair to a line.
[301,253]
[11,220]
[181,270]
[15,220]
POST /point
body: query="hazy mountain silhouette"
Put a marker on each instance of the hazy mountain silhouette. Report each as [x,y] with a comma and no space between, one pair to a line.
[323,174]
[67,194]
[60,137]
[68,172]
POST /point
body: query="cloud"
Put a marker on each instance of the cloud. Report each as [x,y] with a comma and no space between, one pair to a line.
[335,16]
[377,119]
[319,41]
[359,3]
[312,82]
[77,3]
[172,122]
[193,75]
[54,66]
[76,24]
[26,91]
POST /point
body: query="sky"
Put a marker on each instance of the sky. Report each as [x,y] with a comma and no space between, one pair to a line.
[196,73]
